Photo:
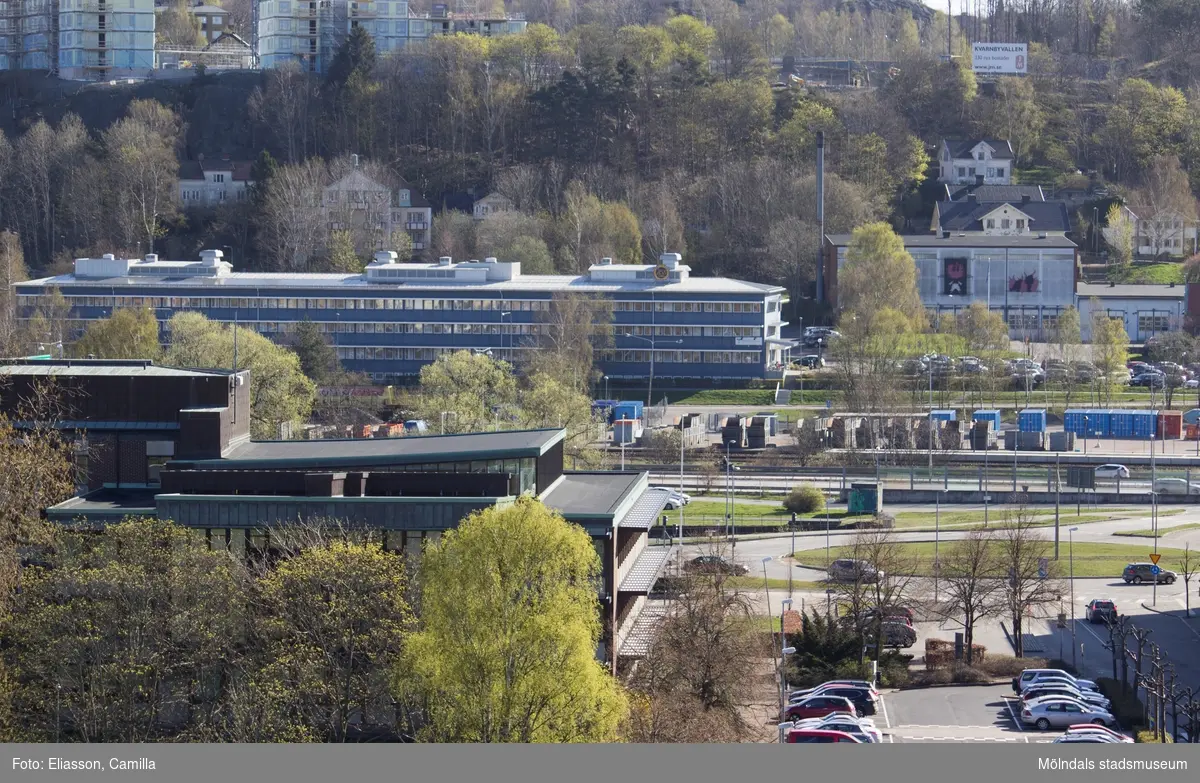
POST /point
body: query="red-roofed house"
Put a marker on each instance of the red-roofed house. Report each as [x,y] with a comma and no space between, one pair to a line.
[210,183]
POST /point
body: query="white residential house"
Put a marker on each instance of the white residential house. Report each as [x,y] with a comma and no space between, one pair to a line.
[963,162]
[1162,232]
[1022,217]
[492,204]
[211,183]
[373,212]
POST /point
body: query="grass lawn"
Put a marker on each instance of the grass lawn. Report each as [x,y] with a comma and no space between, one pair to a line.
[1151,273]
[751,582]
[1091,559]
[970,519]
[1162,531]
[747,397]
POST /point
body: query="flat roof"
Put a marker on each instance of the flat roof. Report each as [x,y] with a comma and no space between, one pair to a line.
[368,451]
[591,494]
[932,240]
[102,367]
[1130,291]
[358,284]
[105,503]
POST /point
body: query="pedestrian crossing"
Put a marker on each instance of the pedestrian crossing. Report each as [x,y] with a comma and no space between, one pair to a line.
[964,734]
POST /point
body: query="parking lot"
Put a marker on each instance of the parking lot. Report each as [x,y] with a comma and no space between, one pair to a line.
[955,714]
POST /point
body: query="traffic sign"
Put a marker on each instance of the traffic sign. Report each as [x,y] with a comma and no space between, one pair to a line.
[1043,567]
[1155,570]
[1154,558]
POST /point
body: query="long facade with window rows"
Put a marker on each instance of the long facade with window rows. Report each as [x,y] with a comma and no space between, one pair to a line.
[394,318]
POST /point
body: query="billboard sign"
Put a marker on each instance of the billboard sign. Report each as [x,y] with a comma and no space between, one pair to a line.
[1000,58]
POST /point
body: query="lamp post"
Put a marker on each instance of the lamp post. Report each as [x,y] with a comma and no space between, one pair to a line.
[504,315]
[650,385]
[783,653]
[444,415]
[606,388]
[937,534]
[766,584]
[1071,556]
[730,529]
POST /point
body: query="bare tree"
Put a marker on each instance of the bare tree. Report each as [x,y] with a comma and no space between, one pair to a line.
[971,578]
[879,589]
[292,231]
[143,170]
[1187,569]
[1020,552]
[289,106]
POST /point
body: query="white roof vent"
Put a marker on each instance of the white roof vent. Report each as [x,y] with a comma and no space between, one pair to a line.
[151,258]
[606,261]
[445,261]
[385,257]
[210,257]
[670,260]
[109,257]
[489,260]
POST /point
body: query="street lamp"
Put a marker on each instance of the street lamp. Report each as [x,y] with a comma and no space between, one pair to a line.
[1071,556]
[766,584]
[606,388]
[504,315]
[730,530]
[444,415]
[937,534]
[650,386]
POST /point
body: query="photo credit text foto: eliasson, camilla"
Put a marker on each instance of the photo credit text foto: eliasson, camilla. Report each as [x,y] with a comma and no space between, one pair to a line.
[82,764]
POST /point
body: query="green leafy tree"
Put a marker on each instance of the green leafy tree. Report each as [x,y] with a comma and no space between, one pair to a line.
[279,390]
[126,334]
[474,387]
[123,629]
[507,647]
[552,401]
[342,256]
[1110,348]
[879,273]
[335,618]
[531,253]
[1119,234]
[318,359]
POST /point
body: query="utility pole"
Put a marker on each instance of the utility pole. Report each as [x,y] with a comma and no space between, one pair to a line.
[949,27]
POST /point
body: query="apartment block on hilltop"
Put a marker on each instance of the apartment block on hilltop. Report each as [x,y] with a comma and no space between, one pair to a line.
[78,39]
[961,162]
[310,31]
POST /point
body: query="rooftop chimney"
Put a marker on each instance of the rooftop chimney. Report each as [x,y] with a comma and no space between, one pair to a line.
[978,180]
[354,160]
[445,261]
[1025,198]
[945,235]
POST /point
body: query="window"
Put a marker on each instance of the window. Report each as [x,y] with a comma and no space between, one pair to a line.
[962,171]
[1021,224]
[991,222]
[1005,223]
[999,172]
[971,171]
[1154,323]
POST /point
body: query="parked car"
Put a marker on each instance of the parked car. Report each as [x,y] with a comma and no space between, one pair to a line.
[1112,471]
[1101,610]
[863,699]
[1028,676]
[1176,486]
[862,729]
[898,633]
[715,564]
[675,498]
[848,570]
[811,361]
[1041,680]
[818,706]
[1093,728]
[818,737]
[1085,739]
[1064,691]
[1063,713]
[1136,573]
[831,683]
[1151,380]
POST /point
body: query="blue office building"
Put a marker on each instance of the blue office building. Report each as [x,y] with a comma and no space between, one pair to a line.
[393,318]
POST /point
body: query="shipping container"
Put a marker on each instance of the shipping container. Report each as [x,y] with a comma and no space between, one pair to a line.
[1145,424]
[1097,422]
[1062,441]
[626,430]
[772,422]
[1192,431]
[944,415]
[1121,424]
[1073,421]
[1032,420]
[991,416]
[627,409]
[1170,425]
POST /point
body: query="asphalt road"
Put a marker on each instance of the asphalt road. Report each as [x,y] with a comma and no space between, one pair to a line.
[968,714]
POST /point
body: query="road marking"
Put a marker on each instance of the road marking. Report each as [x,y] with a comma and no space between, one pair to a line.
[886,722]
[1011,714]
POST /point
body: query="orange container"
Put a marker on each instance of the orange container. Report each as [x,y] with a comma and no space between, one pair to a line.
[1191,431]
[1170,425]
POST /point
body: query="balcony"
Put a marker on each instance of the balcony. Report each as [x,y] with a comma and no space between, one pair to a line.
[416,226]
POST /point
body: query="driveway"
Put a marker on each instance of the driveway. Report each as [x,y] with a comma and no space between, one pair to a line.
[956,714]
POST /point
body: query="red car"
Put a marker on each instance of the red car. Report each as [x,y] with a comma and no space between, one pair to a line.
[819,736]
[818,706]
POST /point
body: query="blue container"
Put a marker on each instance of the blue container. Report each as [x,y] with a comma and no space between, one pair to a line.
[1120,424]
[992,417]
[944,415]
[1032,420]
[1073,421]
[1145,424]
[627,409]
[1097,422]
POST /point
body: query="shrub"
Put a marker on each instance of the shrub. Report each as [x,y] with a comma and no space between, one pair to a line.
[1151,737]
[1008,665]
[804,499]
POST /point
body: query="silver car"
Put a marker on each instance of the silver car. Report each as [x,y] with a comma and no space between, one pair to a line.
[848,570]
[1063,713]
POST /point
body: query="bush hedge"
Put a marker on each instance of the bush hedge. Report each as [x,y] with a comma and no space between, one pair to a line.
[1150,737]
[804,499]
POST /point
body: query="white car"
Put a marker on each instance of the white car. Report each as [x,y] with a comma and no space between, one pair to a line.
[1084,729]
[862,728]
[1112,471]
[1176,486]
[675,498]
[1028,676]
